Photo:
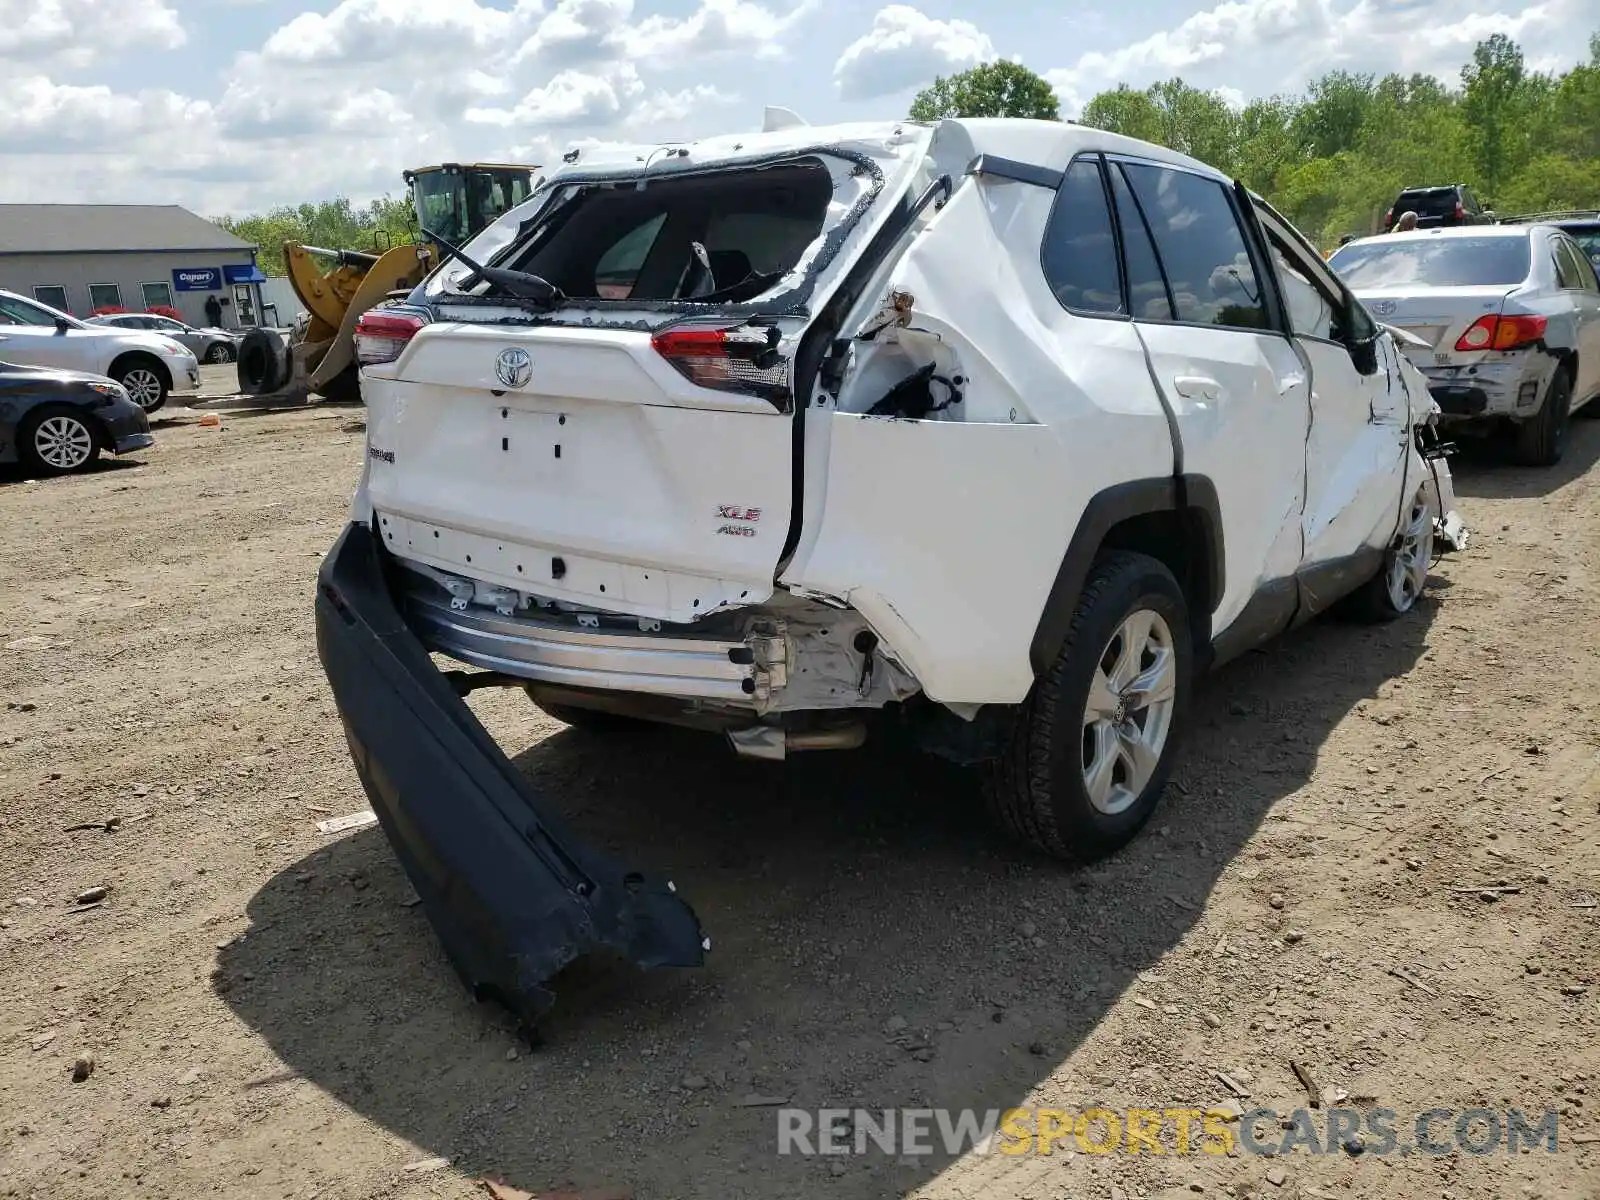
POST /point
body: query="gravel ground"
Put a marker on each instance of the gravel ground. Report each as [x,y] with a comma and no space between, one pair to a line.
[267,1017]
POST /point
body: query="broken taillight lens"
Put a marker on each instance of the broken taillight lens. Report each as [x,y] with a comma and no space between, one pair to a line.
[741,358]
[1493,332]
[381,336]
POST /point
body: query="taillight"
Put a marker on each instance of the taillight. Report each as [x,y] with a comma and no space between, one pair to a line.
[1501,333]
[1388,218]
[727,359]
[1461,213]
[381,336]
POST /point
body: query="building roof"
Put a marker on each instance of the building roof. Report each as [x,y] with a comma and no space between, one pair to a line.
[91,228]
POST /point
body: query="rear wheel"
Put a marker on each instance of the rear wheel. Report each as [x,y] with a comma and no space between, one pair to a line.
[1540,440]
[221,352]
[1094,742]
[57,440]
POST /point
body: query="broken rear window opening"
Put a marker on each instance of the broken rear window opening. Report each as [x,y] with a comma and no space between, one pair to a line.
[715,237]
[1434,262]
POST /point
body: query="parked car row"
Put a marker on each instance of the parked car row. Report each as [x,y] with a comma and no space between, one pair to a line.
[147,364]
[1503,320]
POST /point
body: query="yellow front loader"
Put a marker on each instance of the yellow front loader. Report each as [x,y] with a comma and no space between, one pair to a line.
[455,200]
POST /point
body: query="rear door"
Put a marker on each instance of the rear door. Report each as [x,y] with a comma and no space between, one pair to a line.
[1577,278]
[1357,449]
[633,451]
[1237,389]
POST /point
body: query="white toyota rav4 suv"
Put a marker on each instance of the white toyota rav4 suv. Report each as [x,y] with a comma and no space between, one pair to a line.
[1011,427]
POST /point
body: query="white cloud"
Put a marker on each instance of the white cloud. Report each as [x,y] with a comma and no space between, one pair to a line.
[717,27]
[387,30]
[904,49]
[571,98]
[78,33]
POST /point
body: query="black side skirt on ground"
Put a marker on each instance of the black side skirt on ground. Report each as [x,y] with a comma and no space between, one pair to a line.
[512,894]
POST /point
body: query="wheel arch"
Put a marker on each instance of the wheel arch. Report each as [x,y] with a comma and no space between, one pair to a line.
[1175,519]
[128,357]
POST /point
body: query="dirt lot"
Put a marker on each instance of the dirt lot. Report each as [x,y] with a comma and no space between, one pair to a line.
[267,1017]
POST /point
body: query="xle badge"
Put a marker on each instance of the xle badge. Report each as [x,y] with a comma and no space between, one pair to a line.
[513,368]
[745,518]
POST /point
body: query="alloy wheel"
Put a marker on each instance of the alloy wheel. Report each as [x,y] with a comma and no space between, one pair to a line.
[1412,556]
[63,442]
[1128,716]
[143,386]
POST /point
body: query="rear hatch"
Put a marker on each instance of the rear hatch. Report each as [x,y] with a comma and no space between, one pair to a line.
[1433,206]
[1437,288]
[631,448]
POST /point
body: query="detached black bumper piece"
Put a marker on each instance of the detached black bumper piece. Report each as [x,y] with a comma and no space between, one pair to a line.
[513,896]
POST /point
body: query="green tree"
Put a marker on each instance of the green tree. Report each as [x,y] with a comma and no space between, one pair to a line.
[997,89]
[1125,111]
[1336,109]
[334,224]
[1492,100]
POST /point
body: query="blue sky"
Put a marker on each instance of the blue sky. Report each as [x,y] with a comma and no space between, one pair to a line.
[235,105]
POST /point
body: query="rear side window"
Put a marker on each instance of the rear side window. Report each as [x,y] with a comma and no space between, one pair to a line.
[726,236]
[1433,261]
[1147,290]
[1569,269]
[1080,251]
[1201,247]
[1433,203]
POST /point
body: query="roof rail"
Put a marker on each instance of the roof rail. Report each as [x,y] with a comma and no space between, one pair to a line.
[1566,214]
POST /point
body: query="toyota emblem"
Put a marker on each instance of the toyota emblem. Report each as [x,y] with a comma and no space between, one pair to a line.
[1382,308]
[513,368]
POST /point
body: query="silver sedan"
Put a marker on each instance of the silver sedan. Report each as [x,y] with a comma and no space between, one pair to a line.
[208,345]
[1504,320]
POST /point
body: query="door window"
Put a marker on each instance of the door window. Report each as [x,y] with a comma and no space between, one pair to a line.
[104,295]
[1319,304]
[1148,296]
[157,295]
[1079,256]
[1569,269]
[52,294]
[21,312]
[1202,248]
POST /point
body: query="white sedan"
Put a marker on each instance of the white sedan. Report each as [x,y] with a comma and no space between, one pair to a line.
[148,365]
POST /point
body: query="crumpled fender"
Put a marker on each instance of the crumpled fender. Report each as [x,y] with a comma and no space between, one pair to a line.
[511,893]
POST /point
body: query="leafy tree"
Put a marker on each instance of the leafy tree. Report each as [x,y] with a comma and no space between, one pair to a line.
[1337,108]
[335,224]
[1125,111]
[997,89]
[1493,98]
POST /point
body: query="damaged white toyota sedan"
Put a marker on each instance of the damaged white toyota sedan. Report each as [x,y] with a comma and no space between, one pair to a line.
[1010,428]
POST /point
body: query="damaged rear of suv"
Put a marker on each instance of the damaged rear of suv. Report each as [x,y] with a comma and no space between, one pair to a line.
[767,433]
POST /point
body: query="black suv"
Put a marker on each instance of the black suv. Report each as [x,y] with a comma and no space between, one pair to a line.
[1448,204]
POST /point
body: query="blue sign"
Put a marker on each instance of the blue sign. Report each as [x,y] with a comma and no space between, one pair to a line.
[249,273]
[196,279]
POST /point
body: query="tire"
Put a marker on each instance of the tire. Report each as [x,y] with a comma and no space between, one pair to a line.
[1040,788]
[220,352]
[56,439]
[1400,581]
[1540,440]
[590,720]
[261,363]
[144,381]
